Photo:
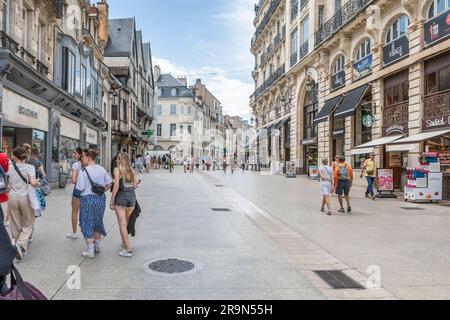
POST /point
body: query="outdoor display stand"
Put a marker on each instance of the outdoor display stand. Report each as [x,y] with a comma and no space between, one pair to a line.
[290,170]
[314,173]
[386,184]
[425,182]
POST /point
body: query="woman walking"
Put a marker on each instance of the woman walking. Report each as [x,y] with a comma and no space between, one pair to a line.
[93,181]
[369,168]
[326,185]
[76,195]
[22,217]
[123,200]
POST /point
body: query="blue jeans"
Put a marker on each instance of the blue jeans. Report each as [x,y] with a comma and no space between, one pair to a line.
[370,182]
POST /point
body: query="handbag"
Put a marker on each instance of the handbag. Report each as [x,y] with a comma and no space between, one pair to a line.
[98,189]
[22,291]
[34,202]
[41,199]
[45,187]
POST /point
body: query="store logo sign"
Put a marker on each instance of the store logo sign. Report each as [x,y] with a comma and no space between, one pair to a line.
[437,28]
[28,112]
[395,129]
[396,50]
[436,123]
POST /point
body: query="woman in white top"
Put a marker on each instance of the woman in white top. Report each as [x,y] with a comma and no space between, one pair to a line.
[22,218]
[76,195]
[326,185]
[92,204]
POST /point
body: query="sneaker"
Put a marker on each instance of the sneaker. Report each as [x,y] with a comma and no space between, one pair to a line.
[89,255]
[322,210]
[72,236]
[329,213]
[20,252]
[341,211]
[97,248]
[124,253]
[349,209]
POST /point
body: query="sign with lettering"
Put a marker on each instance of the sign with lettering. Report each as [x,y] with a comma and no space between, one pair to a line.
[28,112]
[437,28]
[363,67]
[396,50]
[338,133]
[338,80]
[436,123]
[309,141]
[385,180]
[396,129]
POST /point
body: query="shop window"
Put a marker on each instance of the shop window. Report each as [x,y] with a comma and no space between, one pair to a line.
[363,123]
[364,50]
[438,81]
[39,142]
[339,64]
[398,29]
[437,7]
[67,147]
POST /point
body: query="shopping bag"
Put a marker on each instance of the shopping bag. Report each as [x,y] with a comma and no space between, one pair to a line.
[21,290]
[45,187]
[32,195]
[41,199]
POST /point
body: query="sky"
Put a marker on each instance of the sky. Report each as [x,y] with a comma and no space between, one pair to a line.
[207,39]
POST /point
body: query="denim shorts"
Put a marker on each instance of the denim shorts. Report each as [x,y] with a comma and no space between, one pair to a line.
[76,193]
[126,198]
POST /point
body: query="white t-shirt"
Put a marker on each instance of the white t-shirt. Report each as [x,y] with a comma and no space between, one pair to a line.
[327,172]
[77,167]
[147,159]
[18,187]
[98,175]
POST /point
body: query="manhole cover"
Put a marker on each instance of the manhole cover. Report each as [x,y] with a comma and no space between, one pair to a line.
[338,280]
[220,209]
[412,209]
[171,266]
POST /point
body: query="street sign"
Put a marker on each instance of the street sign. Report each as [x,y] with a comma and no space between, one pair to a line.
[148,133]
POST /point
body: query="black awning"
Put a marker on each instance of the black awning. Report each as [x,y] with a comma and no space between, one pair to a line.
[327,109]
[282,123]
[351,101]
[273,127]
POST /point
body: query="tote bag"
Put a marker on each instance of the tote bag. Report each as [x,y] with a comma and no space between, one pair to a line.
[22,291]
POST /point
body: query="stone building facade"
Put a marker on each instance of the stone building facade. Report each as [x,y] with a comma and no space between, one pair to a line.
[367,76]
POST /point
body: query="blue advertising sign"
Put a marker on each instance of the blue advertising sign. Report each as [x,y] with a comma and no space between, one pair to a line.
[338,80]
[363,67]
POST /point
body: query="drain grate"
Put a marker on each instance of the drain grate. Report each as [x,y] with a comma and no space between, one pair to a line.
[412,208]
[220,209]
[338,280]
[171,266]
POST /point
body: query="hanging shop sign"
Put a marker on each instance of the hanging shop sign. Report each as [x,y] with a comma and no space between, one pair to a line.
[91,136]
[309,141]
[396,129]
[363,67]
[338,80]
[368,120]
[437,28]
[338,133]
[396,50]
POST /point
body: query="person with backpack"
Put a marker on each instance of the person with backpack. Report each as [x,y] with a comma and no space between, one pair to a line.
[93,182]
[326,185]
[343,175]
[22,219]
[123,199]
[369,167]
[76,195]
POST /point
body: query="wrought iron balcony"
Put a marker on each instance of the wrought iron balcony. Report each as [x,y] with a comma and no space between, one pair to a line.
[294,59]
[304,50]
[349,11]
[294,9]
[269,82]
[59,6]
[273,6]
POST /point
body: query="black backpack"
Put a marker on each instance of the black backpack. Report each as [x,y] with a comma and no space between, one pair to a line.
[3,181]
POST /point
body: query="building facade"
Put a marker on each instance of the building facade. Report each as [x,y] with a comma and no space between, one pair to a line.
[367,76]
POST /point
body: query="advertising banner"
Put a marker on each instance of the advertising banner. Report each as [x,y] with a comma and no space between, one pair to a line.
[437,28]
[385,180]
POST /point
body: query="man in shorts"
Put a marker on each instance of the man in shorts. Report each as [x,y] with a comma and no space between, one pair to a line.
[343,175]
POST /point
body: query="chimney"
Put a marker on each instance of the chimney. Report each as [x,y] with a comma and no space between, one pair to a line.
[157,72]
[103,28]
[183,80]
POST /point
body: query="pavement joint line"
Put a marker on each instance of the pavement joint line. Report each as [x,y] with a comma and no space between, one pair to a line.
[243,205]
[83,260]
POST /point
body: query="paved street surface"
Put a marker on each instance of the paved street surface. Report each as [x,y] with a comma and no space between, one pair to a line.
[267,247]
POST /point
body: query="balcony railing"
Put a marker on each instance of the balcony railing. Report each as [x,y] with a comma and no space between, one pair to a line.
[350,10]
[437,105]
[396,114]
[304,50]
[269,82]
[7,42]
[294,9]
[294,59]
[273,6]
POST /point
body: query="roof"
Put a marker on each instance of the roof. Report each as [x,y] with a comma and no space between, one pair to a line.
[167,80]
[147,54]
[121,35]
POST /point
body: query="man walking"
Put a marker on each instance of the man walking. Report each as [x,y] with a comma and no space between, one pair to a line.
[343,175]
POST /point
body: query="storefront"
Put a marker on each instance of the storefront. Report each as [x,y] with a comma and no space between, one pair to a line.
[69,141]
[25,121]
[310,131]
[395,124]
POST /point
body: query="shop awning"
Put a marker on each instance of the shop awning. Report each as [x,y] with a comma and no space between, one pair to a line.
[421,137]
[369,147]
[327,110]
[351,101]
[282,123]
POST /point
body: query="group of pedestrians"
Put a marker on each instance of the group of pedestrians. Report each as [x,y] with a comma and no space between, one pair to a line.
[92,182]
[338,179]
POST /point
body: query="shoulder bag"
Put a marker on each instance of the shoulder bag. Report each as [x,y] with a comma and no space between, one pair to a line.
[98,189]
[22,291]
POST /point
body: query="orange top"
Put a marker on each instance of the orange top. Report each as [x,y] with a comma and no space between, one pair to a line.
[341,165]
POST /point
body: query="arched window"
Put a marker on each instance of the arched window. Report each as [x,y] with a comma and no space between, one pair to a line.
[397,29]
[437,7]
[339,64]
[364,50]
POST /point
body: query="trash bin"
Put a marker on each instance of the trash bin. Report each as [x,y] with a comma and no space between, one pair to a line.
[63,177]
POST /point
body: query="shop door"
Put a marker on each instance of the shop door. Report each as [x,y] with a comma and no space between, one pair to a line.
[394,162]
